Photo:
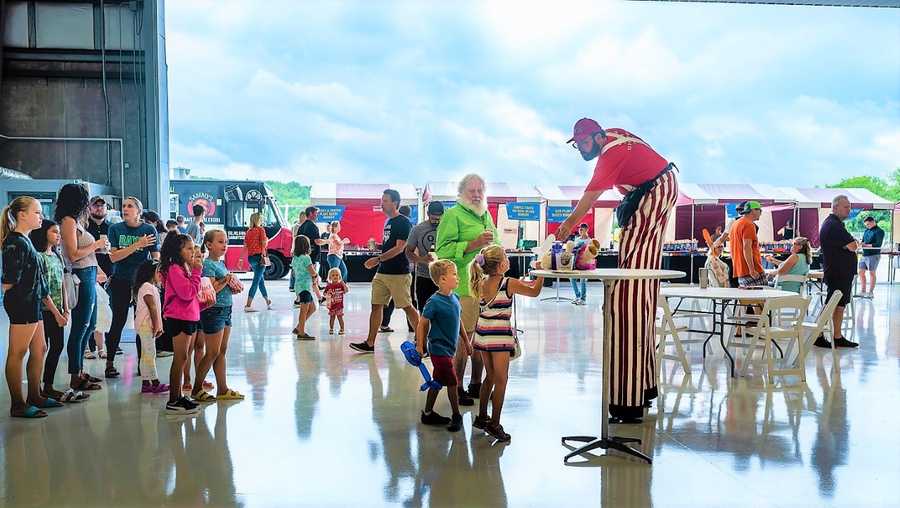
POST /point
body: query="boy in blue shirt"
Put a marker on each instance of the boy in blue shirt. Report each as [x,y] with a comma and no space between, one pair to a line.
[441,324]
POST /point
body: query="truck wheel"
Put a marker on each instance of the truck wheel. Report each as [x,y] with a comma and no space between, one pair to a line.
[277,268]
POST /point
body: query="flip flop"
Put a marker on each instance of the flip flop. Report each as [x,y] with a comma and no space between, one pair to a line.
[49,403]
[230,395]
[88,386]
[29,412]
[92,379]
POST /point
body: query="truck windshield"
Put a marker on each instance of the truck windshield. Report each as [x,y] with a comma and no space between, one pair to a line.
[239,213]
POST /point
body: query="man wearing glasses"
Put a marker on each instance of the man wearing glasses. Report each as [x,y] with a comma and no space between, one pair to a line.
[650,188]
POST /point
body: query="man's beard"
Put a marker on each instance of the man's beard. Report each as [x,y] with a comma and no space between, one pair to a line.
[477,208]
[98,217]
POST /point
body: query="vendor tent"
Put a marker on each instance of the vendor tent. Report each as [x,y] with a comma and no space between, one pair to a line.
[560,200]
[817,206]
[358,207]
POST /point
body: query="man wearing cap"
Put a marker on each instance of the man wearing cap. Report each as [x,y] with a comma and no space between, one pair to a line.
[745,253]
[650,187]
[872,240]
[98,226]
[420,248]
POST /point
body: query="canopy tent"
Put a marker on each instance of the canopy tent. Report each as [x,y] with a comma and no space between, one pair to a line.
[816,206]
[498,195]
[708,206]
[599,218]
[358,207]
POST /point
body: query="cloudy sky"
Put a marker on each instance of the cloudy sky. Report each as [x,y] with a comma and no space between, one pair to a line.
[330,91]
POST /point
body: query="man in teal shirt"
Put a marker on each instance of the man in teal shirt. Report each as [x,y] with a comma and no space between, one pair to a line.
[464,230]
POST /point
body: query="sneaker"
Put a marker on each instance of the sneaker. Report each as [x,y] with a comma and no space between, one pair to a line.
[306,336]
[433,418]
[385,329]
[582,302]
[498,433]
[362,347]
[330,332]
[821,341]
[154,389]
[843,342]
[164,354]
[481,422]
[119,352]
[182,406]
[464,399]
[455,423]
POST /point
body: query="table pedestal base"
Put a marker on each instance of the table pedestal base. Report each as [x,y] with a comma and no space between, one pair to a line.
[610,443]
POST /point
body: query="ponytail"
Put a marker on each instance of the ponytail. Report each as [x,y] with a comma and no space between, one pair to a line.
[8,220]
[485,264]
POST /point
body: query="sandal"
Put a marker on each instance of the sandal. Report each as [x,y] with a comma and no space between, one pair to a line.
[204,397]
[89,355]
[49,403]
[71,396]
[90,378]
[103,355]
[305,336]
[110,373]
[230,395]
[481,422]
[51,393]
[28,412]
[84,384]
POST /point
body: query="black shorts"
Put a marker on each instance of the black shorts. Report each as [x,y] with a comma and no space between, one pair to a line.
[425,287]
[304,297]
[22,312]
[175,327]
[844,284]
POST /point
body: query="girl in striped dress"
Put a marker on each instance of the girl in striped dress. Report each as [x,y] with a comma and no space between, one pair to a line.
[495,337]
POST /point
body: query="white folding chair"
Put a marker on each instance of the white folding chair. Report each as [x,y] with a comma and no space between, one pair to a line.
[665,329]
[821,325]
[765,334]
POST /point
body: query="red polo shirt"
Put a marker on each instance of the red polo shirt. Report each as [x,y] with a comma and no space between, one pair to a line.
[626,164]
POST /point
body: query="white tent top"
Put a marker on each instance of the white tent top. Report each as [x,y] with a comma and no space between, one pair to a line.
[447,191]
[859,198]
[327,193]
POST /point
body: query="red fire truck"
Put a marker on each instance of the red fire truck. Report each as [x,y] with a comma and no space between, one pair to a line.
[229,205]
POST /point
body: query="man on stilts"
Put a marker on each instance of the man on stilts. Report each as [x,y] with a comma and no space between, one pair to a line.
[650,188]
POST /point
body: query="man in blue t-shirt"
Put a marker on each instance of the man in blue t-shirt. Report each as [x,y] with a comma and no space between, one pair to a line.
[872,240]
[132,243]
[441,323]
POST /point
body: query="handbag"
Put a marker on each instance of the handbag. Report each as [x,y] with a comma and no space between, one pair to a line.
[70,286]
[207,294]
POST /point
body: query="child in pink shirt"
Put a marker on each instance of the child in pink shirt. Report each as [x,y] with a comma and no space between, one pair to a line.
[180,268]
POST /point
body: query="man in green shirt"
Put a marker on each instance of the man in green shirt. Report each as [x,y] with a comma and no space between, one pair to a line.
[464,230]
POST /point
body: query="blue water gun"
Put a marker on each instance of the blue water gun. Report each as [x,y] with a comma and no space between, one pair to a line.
[415,359]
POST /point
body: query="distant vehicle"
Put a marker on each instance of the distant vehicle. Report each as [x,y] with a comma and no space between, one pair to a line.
[44,190]
[229,205]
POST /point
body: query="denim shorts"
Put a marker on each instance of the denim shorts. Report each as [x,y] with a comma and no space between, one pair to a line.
[215,319]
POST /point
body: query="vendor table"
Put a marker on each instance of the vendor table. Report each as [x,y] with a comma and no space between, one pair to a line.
[605,441]
[354,259]
[518,262]
[721,298]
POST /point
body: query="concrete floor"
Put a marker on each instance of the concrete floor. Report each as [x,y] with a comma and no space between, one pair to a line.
[322,426]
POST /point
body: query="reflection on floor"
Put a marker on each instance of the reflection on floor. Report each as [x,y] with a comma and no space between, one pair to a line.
[324,427]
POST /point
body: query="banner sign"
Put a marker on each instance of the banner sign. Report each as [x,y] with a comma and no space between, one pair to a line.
[330,213]
[731,210]
[523,211]
[557,214]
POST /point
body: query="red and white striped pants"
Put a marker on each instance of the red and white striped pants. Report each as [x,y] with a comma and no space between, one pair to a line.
[633,360]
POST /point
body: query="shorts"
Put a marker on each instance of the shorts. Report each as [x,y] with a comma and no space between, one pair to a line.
[22,312]
[215,319]
[336,312]
[470,313]
[425,287]
[174,327]
[304,297]
[753,281]
[844,284]
[387,287]
[869,263]
[443,372]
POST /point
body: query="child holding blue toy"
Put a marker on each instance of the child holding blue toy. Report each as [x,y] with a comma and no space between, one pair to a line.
[441,324]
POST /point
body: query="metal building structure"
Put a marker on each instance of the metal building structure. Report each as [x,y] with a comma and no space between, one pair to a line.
[83,93]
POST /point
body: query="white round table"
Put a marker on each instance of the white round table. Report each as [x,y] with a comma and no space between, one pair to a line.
[605,441]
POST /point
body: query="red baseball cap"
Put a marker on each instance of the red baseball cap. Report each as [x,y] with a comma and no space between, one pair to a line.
[584,128]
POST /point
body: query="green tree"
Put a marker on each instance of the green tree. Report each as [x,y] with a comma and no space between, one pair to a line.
[888,188]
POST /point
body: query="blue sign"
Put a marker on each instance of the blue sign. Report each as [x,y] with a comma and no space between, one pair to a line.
[330,213]
[523,211]
[731,210]
[557,214]
[853,213]
[414,214]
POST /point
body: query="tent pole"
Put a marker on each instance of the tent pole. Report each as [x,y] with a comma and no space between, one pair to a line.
[691,250]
